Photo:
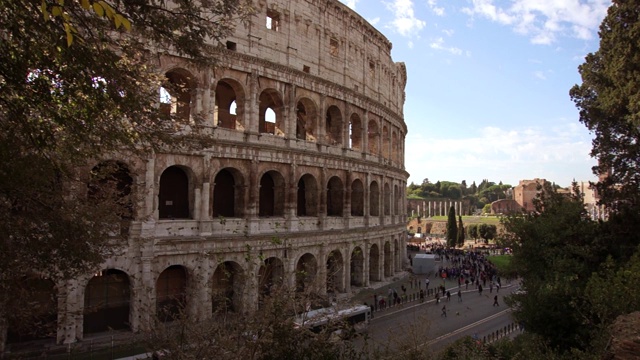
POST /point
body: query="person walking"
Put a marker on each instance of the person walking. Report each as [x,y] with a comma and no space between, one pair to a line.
[444,311]
[495,301]
[448,295]
[459,296]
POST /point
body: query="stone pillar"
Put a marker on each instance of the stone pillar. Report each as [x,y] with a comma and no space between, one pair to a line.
[321,121]
[252,118]
[365,266]
[149,204]
[204,208]
[347,201]
[291,196]
[346,270]
[321,280]
[365,133]
[322,211]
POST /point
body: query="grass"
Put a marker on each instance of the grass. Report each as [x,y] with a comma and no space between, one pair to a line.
[501,262]
[495,220]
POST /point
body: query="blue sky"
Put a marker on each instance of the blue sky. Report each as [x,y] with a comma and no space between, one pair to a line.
[488,85]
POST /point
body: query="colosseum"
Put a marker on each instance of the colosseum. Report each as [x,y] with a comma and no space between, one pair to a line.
[303,186]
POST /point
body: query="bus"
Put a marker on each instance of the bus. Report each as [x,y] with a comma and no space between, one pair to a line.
[341,322]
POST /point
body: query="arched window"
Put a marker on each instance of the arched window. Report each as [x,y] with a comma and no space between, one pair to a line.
[224,194]
[355,132]
[272,194]
[374,199]
[306,117]
[373,137]
[335,196]
[333,126]
[171,293]
[174,194]
[175,95]
[228,112]
[307,202]
[271,117]
[107,301]
[357,198]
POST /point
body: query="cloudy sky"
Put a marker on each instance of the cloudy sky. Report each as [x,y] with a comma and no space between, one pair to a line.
[488,89]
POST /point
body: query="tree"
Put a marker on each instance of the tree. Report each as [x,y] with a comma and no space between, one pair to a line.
[472,231]
[609,106]
[452,229]
[75,85]
[487,231]
[461,233]
[555,251]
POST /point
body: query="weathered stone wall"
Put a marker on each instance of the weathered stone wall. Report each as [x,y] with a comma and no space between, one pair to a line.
[329,167]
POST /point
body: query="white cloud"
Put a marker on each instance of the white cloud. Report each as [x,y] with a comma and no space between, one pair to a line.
[540,75]
[405,22]
[448,32]
[544,21]
[557,154]
[374,21]
[438,44]
[438,10]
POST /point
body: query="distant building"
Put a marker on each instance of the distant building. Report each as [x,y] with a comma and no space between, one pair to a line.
[505,206]
[525,192]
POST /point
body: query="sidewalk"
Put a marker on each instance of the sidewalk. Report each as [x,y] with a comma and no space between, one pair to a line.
[413,284]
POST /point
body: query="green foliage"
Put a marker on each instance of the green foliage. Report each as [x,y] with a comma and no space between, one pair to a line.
[452,228]
[608,290]
[486,209]
[461,232]
[608,100]
[555,252]
[76,87]
[487,232]
[472,231]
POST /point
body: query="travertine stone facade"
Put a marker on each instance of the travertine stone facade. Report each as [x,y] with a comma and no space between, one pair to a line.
[303,186]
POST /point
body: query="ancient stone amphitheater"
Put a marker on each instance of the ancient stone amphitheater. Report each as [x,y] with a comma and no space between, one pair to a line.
[303,186]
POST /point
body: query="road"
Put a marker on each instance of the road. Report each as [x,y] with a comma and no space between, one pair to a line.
[422,324]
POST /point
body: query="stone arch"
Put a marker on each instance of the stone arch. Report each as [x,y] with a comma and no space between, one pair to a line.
[111,182]
[306,119]
[307,196]
[227,287]
[388,271]
[272,194]
[374,263]
[385,142]
[175,193]
[270,277]
[107,302]
[171,293]
[40,321]
[306,272]
[228,196]
[270,99]
[177,93]
[357,198]
[387,199]
[333,125]
[335,196]
[374,199]
[229,92]
[373,138]
[355,132]
[335,272]
[357,267]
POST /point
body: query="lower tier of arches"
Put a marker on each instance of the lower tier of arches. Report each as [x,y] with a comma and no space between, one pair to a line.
[133,292]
